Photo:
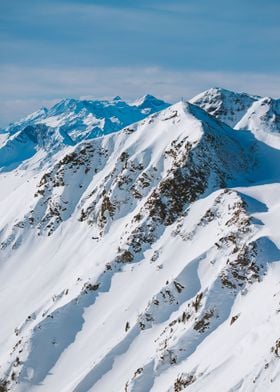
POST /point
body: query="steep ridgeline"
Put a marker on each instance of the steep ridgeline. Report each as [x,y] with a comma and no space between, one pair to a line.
[226,105]
[69,122]
[143,260]
[240,110]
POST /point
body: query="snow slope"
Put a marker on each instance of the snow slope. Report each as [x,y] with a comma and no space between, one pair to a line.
[143,260]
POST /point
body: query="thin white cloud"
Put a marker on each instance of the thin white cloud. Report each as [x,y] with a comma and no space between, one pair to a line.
[25,89]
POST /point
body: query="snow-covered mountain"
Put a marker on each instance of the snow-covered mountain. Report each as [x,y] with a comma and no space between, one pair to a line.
[263,115]
[240,110]
[145,259]
[227,106]
[68,123]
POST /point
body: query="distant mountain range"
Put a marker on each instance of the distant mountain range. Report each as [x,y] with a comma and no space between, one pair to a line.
[68,123]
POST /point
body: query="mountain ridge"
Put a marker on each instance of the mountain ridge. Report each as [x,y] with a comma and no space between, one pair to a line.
[144,260]
[69,122]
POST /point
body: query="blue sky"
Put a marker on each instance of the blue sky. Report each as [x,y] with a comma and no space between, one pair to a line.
[100,48]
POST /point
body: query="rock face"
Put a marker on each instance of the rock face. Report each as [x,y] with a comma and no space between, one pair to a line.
[142,260]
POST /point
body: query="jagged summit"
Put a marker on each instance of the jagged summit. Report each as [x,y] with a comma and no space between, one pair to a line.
[149,103]
[226,105]
[241,110]
[221,92]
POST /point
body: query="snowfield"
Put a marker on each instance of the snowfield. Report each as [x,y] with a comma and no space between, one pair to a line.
[140,246]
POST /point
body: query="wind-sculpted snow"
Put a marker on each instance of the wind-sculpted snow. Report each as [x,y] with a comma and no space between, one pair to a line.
[143,260]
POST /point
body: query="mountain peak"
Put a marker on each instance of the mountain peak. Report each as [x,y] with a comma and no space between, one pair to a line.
[65,105]
[228,106]
[223,92]
[117,98]
[149,104]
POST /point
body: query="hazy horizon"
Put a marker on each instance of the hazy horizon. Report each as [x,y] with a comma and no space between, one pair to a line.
[76,48]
